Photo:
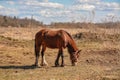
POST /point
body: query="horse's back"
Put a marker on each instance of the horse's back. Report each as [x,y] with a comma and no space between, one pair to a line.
[52,39]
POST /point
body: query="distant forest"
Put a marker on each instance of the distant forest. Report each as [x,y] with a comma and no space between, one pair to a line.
[7,21]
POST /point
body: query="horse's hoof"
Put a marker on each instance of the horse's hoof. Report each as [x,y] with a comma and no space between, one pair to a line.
[56,65]
[62,65]
[35,65]
[44,64]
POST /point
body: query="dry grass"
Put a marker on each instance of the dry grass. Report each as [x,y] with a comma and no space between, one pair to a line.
[99,60]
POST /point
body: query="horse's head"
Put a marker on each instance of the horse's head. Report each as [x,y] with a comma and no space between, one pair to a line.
[74,57]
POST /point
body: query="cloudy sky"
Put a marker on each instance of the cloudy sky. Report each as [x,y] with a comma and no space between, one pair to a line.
[49,11]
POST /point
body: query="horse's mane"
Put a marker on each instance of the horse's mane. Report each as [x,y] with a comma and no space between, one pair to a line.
[71,45]
[69,35]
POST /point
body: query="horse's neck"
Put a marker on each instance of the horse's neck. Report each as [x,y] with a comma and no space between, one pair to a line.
[72,47]
[71,44]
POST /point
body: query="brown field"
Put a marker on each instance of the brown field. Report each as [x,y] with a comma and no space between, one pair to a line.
[99,59]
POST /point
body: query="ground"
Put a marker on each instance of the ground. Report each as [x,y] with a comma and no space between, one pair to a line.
[99,58]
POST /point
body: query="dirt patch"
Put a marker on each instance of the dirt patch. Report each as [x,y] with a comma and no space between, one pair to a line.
[108,57]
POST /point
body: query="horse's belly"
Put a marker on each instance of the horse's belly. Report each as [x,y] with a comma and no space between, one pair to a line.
[51,44]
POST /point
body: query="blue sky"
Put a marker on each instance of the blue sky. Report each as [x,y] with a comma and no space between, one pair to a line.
[49,11]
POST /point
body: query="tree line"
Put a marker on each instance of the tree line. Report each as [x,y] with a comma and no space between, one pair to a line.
[7,21]
[85,25]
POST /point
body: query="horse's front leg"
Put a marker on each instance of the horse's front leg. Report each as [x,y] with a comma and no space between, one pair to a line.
[60,53]
[62,64]
[57,60]
[62,57]
[43,61]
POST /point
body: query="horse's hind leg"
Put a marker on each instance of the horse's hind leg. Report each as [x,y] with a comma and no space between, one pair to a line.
[37,51]
[43,61]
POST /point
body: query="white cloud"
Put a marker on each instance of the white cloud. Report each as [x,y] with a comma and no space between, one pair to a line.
[1,7]
[52,5]
[110,15]
[45,0]
[83,7]
[97,5]
[10,2]
[44,4]
[87,1]
[107,6]
[63,15]
[54,13]
[9,11]
[45,13]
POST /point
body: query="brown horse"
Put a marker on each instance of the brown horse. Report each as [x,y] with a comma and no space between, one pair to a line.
[55,39]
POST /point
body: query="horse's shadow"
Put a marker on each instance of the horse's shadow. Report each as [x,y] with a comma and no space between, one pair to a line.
[18,67]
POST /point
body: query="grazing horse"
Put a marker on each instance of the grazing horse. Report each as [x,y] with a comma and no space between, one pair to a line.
[55,39]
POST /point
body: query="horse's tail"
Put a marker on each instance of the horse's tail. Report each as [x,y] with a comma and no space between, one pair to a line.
[37,43]
[37,47]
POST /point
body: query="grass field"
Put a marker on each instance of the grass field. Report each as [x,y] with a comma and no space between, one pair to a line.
[99,59]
